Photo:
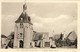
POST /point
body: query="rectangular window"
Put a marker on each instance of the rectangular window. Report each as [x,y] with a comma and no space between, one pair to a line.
[21,25]
[20,34]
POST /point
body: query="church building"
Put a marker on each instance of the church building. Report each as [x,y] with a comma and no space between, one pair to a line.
[23,30]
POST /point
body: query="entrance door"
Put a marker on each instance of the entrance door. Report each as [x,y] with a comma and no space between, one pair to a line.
[21,44]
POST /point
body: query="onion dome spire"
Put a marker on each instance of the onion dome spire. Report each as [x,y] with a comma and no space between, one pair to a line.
[24,18]
[24,6]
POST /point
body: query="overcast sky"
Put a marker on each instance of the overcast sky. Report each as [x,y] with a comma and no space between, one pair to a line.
[46,17]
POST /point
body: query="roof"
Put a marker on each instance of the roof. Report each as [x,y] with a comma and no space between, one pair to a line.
[3,36]
[23,18]
[72,35]
[37,36]
[11,36]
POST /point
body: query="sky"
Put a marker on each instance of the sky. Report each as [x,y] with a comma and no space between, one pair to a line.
[46,17]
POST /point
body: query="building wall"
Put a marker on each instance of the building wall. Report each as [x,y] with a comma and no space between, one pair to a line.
[3,41]
[27,32]
[27,38]
[45,39]
[15,36]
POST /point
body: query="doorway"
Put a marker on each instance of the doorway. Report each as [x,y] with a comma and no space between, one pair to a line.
[21,44]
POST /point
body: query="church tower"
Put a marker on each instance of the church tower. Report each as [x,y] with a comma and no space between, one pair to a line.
[23,30]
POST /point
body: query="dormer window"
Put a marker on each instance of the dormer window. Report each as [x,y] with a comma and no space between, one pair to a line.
[21,19]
